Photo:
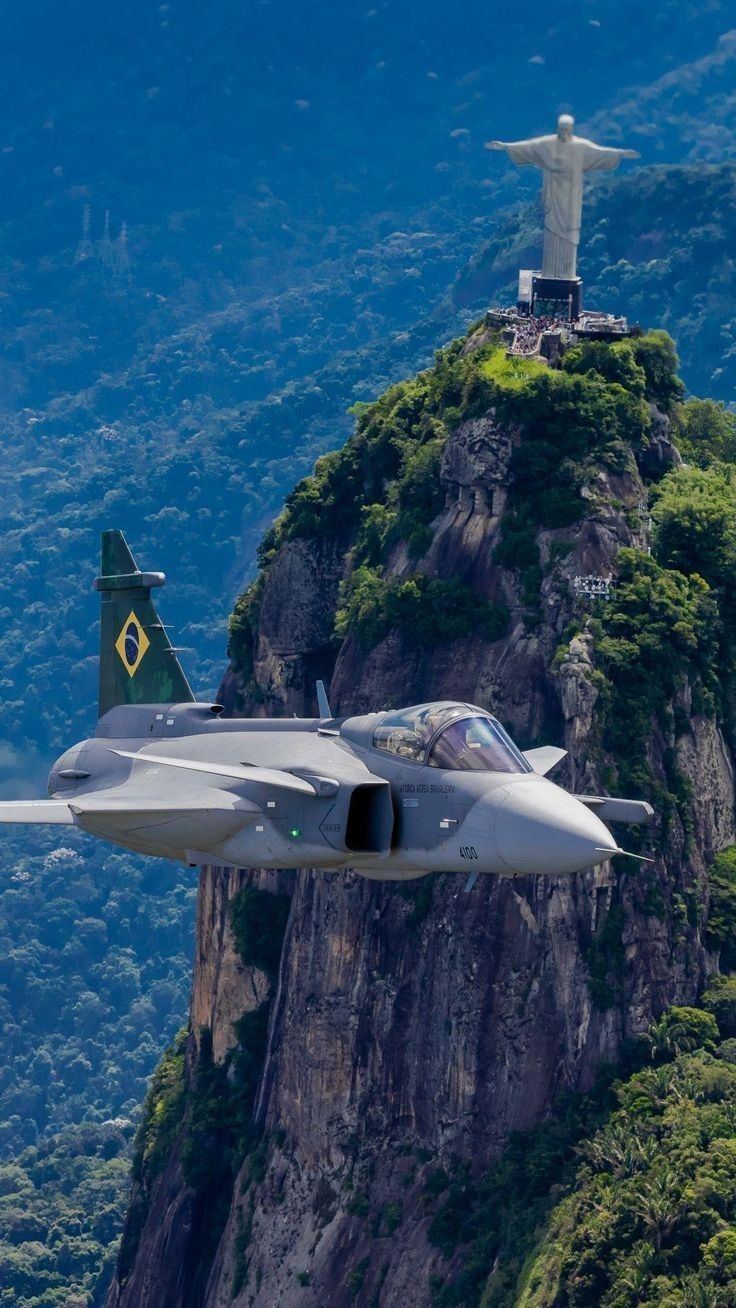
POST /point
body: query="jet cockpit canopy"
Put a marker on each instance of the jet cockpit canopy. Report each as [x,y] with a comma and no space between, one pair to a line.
[449,735]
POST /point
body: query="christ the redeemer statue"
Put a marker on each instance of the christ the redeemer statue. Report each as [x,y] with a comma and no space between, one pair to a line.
[563,158]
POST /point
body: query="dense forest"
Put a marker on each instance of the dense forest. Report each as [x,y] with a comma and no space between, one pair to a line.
[61,1206]
[95,964]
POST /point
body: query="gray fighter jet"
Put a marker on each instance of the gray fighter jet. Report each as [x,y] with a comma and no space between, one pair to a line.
[433,788]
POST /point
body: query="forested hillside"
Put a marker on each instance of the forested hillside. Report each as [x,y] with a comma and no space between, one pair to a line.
[93,966]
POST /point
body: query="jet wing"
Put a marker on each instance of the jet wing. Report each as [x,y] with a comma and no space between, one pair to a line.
[200,815]
[618,810]
[123,802]
[236,771]
[124,808]
[544,759]
[38,812]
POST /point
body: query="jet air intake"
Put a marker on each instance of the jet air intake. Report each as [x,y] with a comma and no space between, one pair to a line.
[370,820]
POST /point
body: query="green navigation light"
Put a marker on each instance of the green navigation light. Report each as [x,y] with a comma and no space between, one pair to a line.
[295,833]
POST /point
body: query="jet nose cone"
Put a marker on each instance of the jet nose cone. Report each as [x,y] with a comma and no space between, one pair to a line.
[540,829]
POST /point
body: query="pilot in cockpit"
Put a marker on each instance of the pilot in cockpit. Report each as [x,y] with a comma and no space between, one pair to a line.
[449,736]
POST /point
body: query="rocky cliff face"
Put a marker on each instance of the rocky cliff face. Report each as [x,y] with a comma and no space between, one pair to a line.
[413,1027]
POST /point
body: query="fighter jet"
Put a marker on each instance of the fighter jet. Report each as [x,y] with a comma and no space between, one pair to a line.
[394,795]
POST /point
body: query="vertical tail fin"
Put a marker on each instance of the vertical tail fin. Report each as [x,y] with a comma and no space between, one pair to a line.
[137,662]
[323,704]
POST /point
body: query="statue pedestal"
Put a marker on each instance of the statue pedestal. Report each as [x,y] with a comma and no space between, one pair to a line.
[557,297]
[549,297]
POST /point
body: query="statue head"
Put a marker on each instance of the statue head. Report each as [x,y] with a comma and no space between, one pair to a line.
[565,124]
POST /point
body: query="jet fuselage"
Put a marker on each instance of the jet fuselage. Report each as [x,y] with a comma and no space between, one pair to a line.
[321,794]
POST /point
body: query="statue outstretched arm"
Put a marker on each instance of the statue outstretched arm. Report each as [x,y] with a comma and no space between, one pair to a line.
[533,151]
[604,158]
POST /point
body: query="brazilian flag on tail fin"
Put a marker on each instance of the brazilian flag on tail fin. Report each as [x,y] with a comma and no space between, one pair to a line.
[137,662]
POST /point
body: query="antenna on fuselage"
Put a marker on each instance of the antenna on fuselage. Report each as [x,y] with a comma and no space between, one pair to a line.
[323,704]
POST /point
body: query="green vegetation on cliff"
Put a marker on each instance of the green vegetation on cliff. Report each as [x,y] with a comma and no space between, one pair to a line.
[721,926]
[652,609]
[681,599]
[162,1111]
[652,1214]
[384,486]
[429,609]
[383,491]
[258,921]
[626,1197]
